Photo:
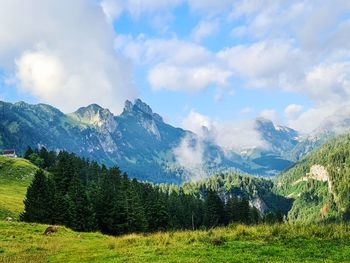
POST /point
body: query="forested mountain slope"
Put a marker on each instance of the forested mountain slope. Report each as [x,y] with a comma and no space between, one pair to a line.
[320,183]
[138,140]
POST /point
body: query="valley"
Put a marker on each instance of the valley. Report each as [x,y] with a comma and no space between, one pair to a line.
[189,131]
[140,142]
[307,185]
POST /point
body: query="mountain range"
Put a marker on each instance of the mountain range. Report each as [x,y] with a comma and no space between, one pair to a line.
[142,144]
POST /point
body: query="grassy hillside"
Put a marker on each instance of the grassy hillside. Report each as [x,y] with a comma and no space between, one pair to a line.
[319,183]
[21,242]
[24,242]
[15,176]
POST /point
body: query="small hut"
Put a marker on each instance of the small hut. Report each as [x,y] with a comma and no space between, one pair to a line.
[9,153]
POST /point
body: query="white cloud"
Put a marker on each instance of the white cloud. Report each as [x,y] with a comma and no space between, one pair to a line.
[198,123]
[238,136]
[204,29]
[174,64]
[112,9]
[209,7]
[297,46]
[271,115]
[230,136]
[194,79]
[142,50]
[267,64]
[137,8]
[292,111]
[41,73]
[60,53]
[189,154]
[312,118]
[328,82]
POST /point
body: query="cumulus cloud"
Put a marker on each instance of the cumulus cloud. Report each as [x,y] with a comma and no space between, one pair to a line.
[58,54]
[296,46]
[198,123]
[193,79]
[204,29]
[270,114]
[328,82]
[174,64]
[312,118]
[209,7]
[328,86]
[265,64]
[292,111]
[137,8]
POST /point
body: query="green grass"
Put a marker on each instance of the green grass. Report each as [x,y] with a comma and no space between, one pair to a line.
[22,242]
[15,176]
[16,169]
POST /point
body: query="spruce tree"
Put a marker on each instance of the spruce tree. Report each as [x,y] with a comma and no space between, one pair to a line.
[44,154]
[35,203]
[81,209]
[244,211]
[214,210]
[232,210]
[28,152]
[136,218]
[110,209]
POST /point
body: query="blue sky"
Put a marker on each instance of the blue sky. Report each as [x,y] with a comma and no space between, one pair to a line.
[202,62]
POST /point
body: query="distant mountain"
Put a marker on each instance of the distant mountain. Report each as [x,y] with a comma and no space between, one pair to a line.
[319,183]
[280,141]
[336,124]
[140,142]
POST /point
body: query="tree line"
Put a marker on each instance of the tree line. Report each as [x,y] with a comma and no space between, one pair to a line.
[86,196]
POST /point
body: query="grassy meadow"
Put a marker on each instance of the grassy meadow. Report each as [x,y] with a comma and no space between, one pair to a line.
[15,176]
[24,242]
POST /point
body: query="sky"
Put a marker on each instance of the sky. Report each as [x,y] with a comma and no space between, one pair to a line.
[197,63]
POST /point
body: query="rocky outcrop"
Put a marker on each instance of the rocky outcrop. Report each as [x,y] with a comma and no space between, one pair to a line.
[318,173]
[259,204]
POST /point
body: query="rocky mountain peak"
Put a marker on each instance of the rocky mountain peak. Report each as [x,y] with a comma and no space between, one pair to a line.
[140,107]
[95,115]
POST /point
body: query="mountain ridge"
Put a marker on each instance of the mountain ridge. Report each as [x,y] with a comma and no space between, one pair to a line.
[138,140]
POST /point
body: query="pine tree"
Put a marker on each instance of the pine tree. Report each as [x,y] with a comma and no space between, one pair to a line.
[63,172]
[232,210]
[155,209]
[28,152]
[110,209]
[243,211]
[136,218]
[81,210]
[214,210]
[35,203]
[44,154]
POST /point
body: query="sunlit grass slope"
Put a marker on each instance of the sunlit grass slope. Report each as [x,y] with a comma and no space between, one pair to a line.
[15,176]
[22,242]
